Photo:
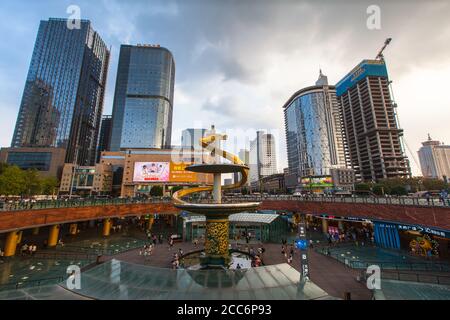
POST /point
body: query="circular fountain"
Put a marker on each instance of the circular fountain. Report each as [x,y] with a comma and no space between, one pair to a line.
[217,223]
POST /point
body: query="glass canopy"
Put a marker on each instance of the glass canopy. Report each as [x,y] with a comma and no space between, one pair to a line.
[126,281]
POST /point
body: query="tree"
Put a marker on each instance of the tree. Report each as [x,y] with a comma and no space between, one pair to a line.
[362,187]
[399,190]
[49,185]
[379,189]
[434,184]
[12,181]
[156,191]
[33,182]
[3,166]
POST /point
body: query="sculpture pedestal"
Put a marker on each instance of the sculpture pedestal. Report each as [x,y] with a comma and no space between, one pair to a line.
[216,241]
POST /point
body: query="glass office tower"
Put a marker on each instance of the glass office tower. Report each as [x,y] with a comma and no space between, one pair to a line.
[62,101]
[143,100]
[314,133]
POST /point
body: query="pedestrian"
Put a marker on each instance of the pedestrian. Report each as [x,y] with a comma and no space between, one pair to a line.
[150,250]
[180,252]
[289,260]
[24,249]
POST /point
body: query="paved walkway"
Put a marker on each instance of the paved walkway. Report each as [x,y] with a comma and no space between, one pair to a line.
[329,274]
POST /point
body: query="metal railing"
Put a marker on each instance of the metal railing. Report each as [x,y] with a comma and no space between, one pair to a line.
[386,264]
[71,203]
[391,200]
[31,283]
[88,256]
[416,277]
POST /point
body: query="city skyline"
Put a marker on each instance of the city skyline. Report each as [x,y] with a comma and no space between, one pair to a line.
[220,79]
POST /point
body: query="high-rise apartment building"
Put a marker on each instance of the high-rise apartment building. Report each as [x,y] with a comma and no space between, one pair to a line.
[434,159]
[370,121]
[104,135]
[143,99]
[262,157]
[62,101]
[314,134]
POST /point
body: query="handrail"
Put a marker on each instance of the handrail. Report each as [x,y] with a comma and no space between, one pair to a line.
[26,283]
[416,277]
[60,255]
[71,203]
[386,264]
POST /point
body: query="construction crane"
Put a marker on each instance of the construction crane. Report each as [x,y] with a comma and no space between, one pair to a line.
[394,104]
[380,53]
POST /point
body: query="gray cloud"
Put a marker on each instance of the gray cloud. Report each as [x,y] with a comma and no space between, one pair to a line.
[239,61]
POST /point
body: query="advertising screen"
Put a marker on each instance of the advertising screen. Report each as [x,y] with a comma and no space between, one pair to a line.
[151,171]
[179,174]
[317,182]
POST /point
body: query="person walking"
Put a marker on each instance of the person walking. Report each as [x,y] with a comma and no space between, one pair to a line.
[289,260]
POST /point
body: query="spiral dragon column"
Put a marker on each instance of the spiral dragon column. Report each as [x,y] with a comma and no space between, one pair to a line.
[217,213]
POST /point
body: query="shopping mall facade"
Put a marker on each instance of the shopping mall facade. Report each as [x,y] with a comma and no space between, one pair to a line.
[134,172]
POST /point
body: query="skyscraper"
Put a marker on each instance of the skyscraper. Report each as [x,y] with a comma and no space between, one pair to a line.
[104,136]
[434,159]
[314,134]
[262,157]
[190,138]
[143,99]
[244,155]
[370,122]
[62,101]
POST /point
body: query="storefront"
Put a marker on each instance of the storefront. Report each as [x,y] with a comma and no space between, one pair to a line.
[262,227]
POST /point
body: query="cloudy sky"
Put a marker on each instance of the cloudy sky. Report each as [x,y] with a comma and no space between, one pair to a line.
[237,62]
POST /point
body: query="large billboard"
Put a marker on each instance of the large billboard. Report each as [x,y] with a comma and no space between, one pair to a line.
[317,182]
[178,173]
[163,172]
[151,171]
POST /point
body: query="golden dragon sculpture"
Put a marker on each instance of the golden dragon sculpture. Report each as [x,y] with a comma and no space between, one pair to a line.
[207,143]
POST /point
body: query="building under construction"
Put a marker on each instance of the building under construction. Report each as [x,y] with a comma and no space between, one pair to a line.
[370,121]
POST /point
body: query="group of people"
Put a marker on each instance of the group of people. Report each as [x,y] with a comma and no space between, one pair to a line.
[147,250]
[443,197]
[28,249]
[154,238]
[358,236]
